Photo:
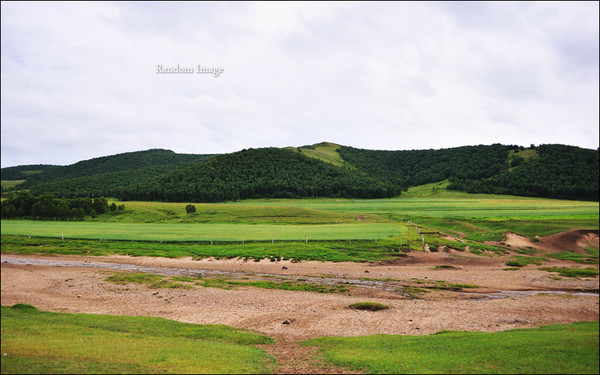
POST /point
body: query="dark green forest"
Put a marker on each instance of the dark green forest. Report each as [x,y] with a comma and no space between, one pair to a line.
[553,171]
[418,167]
[559,171]
[260,173]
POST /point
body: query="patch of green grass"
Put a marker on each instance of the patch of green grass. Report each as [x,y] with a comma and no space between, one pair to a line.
[325,151]
[44,342]
[159,281]
[556,349]
[522,261]
[590,258]
[333,251]
[369,306]
[6,184]
[458,287]
[442,285]
[151,280]
[572,272]
[283,285]
[444,267]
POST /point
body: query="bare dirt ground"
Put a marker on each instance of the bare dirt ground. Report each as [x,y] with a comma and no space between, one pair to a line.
[307,314]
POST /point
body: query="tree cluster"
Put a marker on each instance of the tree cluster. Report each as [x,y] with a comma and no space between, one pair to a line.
[26,205]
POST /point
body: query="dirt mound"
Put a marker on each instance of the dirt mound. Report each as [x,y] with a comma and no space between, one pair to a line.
[516,240]
[576,240]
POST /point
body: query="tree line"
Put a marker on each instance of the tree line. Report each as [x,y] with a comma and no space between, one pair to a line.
[43,207]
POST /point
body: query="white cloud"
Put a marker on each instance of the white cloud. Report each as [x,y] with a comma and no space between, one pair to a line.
[79,79]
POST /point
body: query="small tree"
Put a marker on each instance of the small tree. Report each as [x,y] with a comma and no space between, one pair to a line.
[190,209]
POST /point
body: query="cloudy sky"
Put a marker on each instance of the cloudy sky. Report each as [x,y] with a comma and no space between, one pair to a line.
[82,80]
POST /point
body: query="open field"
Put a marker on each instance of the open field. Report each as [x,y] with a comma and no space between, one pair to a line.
[556,349]
[85,343]
[291,302]
[438,260]
[46,342]
[200,232]
[475,217]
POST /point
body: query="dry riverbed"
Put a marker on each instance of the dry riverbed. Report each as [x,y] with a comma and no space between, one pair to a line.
[296,315]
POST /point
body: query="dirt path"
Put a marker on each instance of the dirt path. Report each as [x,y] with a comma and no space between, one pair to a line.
[292,316]
[293,358]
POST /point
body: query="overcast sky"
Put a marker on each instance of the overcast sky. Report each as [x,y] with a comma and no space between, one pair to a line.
[82,80]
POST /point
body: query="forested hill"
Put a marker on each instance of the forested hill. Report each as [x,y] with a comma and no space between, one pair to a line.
[261,173]
[103,176]
[110,164]
[321,170]
[553,171]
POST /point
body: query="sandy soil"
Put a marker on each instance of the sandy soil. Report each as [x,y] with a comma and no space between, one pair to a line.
[78,289]
[83,289]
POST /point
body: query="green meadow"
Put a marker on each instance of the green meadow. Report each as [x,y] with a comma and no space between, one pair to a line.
[378,222]
[200,232]
[54,343]
[58,343]
[554,349]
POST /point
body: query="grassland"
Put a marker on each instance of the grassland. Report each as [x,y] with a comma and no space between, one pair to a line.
[555,349]
[326,152]
[308,229]
[399,223]
[334,251]
[44,342]
[200,232]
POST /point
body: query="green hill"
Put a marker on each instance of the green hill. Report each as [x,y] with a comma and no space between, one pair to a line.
[321,170]
[103,176]
[260,173]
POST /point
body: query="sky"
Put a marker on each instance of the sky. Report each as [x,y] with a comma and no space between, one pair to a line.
[81,80]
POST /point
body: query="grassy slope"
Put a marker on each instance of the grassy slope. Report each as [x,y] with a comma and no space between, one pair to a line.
[557,349]
[44,342]
[327,152]
[6,184]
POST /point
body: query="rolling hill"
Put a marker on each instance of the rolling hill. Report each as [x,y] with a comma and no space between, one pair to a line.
[321,170]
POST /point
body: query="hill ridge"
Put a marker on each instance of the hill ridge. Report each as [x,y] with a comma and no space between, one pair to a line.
[322,169]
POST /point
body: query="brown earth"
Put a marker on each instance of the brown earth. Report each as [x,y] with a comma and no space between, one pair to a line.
[576,240]
[84,289]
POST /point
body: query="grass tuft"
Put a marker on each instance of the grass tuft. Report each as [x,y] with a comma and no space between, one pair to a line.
[369,306]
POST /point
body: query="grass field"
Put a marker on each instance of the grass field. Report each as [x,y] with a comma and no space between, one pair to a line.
[53,343]
[334,251]
[555,349]
[200,232]
[476,217]
[44,342]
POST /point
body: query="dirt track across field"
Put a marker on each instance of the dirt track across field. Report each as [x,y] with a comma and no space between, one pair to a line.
[290,316]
